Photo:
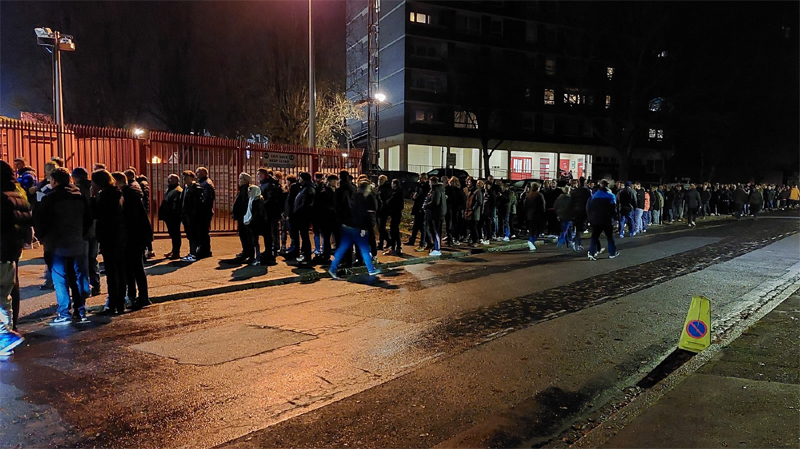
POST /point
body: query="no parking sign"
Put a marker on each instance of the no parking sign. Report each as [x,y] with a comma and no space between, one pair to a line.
[696,334]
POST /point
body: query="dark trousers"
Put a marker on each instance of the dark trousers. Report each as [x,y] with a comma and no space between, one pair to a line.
[246,239]
[691,216]
[608,230]
[94,268]
[434,225]
[579,224]
[419,226]
[191,236]
[204,238]
[299,230]
[473,230]
[114,263]
[275,234]
[134,272]
[383,235]
[394,234]
[174,230]
[326,230]
[268,254]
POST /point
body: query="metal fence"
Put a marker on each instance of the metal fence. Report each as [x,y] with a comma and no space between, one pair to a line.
[159,154]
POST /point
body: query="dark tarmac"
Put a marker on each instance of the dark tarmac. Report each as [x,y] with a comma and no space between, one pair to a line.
[500,349]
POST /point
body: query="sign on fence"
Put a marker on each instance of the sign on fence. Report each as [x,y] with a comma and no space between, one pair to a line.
[284,160]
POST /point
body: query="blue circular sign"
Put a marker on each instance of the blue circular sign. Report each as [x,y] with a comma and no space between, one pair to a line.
[696,329]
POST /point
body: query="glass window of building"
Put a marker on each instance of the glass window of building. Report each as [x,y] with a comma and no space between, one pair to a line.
[465,119]
[531,32]
[418,17]
[468,23]
[608,101]
[549,124]
[550,67]
[528,121]
[610,72]
[497,27]
[549,96]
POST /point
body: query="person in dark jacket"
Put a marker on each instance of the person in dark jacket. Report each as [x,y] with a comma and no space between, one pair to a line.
[705,201]
[302,214]
[15,222]
[145,185]
[192,214]
[344,194]
[627,204]
[669,200]
[255,218]
[325,206]
[62,221]
[679,203]
[139,233]
[473,208]
[316,216]
[534,213]
[502,211]
[81,179]
[435,207]
[756,201]
[354,227]
[112,236]
[456,200]
[489,211]
[394,210]
[207,213]
[271,192]
[418,213]
[384,193]
[693,202]
[564,215]
[292,189]
[551,194]
[170,213]
[578,199]
[601,210]
[238,212]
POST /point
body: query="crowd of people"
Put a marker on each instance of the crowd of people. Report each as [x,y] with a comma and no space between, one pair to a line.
[77,216]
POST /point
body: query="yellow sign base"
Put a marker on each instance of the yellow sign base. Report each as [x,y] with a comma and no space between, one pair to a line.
[696,334]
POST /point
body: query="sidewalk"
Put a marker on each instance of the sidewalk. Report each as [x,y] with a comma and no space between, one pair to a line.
[748,395]
[172,280]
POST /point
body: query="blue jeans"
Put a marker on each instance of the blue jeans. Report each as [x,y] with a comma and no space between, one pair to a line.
[645,219]
[637,223]
[349,237]
[564,237]
[623,219]
[507,226]
[68,269]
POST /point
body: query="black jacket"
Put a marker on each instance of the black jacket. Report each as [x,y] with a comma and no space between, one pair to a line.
[192,211]
[436,202]
[207,200]
[137,223]
[394,206]
[344,195]
[384,194]
[15,222]
[169,210]
[692,198]
[420,194]
[111,231]
[578,199]
[288,205]
[62,221]
[304,203]
[271,192]
[240,203]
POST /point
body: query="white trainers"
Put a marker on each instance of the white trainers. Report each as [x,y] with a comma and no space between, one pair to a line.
[531,246]
[613,256]
[435,253]
[505,239]
[189,258]
[486,242]
[591,256]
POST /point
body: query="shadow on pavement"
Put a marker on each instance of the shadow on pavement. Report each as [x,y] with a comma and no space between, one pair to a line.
[168,268]
[247,272]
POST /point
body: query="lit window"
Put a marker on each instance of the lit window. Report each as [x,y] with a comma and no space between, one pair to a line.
[610,72]
[549,96]
[418,17]
[465,119]
[659,134]
[550,67]
[663,54]
[652,133]
[608,101]
[423,116]
[573,97]
[655,134]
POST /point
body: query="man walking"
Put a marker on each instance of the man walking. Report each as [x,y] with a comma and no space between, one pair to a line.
[601,209]
[62,221]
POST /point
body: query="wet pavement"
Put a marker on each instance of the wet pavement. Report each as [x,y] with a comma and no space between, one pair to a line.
[494,349]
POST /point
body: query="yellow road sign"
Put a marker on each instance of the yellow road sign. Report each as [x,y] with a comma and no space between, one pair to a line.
[696,334]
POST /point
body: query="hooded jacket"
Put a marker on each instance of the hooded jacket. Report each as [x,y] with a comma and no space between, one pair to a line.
[474,203]
[436,202]
[601,208]
[15,217]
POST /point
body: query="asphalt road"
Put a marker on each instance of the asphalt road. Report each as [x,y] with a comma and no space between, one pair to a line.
[493,350]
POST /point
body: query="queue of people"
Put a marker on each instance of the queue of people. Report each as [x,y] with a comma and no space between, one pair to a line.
[78,216]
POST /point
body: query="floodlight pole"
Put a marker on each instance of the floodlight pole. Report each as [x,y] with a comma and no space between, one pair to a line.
[58,97]
[312,107]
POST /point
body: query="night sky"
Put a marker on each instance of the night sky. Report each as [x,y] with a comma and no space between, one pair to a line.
[136,60]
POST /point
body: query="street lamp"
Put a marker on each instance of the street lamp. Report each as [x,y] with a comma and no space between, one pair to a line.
[55,43]
[138,132]
[312,90]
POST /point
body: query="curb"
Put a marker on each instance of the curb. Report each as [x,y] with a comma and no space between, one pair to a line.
[316,275]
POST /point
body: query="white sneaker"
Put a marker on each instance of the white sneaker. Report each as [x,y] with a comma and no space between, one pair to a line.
[189,258]
[613,256]
[486,242]
[600,251]
[591,256]
[505,239]
[301,258]
[435,253]
[531,246]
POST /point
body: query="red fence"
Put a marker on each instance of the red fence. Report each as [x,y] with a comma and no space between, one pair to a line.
[159,154]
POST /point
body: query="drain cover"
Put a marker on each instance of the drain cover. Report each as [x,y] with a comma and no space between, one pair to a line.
[221,344]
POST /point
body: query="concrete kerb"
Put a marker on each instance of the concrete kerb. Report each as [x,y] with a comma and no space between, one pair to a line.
[316,275]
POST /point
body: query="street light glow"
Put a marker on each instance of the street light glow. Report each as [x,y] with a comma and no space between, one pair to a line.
[138,132]
[344,154]
[380,98]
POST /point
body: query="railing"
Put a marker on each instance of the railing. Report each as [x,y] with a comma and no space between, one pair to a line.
[159,154]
